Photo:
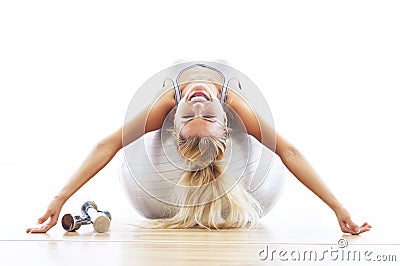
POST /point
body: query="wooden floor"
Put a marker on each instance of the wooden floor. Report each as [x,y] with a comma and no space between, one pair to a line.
[126,244]
[292,228]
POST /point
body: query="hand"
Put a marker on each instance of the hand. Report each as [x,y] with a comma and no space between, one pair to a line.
[347,225]
[49,219]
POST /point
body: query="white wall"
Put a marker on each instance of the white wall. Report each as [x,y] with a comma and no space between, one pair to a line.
[329,70]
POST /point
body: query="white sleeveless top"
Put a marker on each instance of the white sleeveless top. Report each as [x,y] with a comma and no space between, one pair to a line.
[150,171]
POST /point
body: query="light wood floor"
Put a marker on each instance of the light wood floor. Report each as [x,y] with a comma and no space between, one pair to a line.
[299,223]
[125,244]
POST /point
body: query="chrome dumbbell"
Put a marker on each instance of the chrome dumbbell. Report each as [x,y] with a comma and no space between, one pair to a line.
[90,215]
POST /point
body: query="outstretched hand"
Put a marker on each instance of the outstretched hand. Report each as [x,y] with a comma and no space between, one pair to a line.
[347,225]
[49,219]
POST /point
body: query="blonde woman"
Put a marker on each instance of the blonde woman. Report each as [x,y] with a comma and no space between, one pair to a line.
[201,131]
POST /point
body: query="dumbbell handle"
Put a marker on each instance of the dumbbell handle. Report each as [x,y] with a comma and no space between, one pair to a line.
[87,207]
[100,219]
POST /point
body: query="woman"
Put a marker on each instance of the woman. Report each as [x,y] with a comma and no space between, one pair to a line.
[201,129]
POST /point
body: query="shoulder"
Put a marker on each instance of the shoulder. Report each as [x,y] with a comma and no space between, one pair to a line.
[243,109]
[159,109]
[166,99]
[239,104]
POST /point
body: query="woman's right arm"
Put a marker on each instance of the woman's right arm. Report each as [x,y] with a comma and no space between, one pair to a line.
[151,118]
[100,155]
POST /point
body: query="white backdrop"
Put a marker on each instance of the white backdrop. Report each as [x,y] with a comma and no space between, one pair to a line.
[328,69]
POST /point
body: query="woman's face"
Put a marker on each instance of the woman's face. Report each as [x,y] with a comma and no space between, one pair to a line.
[200,112]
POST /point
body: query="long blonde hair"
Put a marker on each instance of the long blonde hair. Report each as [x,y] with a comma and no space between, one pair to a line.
[203,197]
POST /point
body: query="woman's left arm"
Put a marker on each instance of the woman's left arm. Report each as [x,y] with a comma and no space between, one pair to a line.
[303,171]
[293,160]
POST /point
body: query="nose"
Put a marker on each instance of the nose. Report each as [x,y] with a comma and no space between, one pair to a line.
[198,108]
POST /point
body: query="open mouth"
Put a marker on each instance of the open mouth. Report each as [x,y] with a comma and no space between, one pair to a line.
[198,96]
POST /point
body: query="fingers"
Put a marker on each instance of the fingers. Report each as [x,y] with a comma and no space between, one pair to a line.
[353,227]
[52,220]
[36,230]
[39,230]
[348,226]
[365,227]
[44,218]
[49,219]
[42,229]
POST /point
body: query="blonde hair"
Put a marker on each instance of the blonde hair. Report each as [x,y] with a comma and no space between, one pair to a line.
[203,197]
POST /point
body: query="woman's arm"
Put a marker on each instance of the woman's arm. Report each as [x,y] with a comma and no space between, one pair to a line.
[151,118]
[293,160]
[302,170]
[100,155]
